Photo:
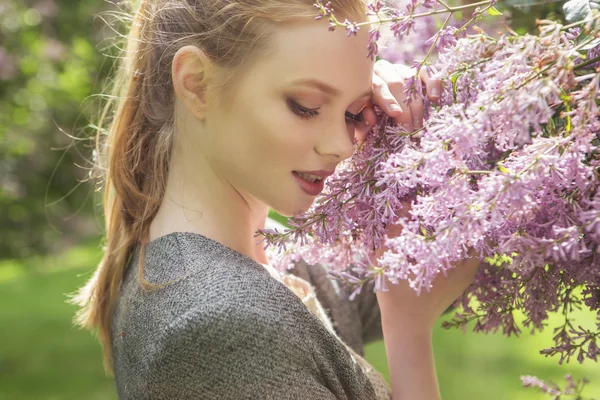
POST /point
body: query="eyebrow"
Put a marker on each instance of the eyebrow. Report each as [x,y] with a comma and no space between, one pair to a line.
[325,88]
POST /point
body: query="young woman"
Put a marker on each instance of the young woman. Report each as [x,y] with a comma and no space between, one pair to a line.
[227,108]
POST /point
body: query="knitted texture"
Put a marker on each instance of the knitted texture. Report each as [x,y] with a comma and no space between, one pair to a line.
[225,329]
[306,292]
[354,322]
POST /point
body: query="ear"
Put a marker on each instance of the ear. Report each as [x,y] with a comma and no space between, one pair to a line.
[190,70]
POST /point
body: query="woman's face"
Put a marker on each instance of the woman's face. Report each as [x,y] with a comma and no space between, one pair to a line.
[291,113]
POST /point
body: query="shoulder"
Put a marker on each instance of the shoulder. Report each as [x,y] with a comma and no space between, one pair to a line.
[265,345]
[218,292]
[226,327]
[254,332]
[241,346]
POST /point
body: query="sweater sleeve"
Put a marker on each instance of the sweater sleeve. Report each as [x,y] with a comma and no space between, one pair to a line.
[223,352]
[367,308]
[356,321]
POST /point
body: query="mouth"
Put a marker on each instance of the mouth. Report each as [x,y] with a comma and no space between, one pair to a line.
[309,177]
[309,183]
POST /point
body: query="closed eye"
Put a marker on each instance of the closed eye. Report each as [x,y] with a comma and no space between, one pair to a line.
[302,112]
[308,113]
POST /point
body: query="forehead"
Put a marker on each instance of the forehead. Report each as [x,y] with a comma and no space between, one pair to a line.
[309,50]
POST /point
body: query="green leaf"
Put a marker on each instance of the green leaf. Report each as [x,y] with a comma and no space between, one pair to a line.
[577,10]
[551,127]
[494,11]
[502,169]
[453,79]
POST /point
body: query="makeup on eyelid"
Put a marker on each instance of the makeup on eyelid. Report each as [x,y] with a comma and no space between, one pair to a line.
[318,97]
[309,113]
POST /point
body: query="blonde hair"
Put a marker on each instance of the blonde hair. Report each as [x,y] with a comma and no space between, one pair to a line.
[132,155]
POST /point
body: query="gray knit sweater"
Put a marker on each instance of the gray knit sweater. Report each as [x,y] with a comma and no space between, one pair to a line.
[226,329]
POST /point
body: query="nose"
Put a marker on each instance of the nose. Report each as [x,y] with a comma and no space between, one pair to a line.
[337,141]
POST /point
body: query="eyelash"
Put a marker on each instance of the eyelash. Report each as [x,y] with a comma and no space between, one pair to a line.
[308,113]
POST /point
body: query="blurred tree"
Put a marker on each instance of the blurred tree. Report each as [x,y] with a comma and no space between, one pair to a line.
[49,66]
[523,13]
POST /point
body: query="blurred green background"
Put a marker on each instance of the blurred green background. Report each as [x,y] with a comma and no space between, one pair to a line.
[54,60]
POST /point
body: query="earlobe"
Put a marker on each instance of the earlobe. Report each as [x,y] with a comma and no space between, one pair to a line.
[189,72]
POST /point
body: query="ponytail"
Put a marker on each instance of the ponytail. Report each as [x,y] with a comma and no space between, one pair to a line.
[130,200]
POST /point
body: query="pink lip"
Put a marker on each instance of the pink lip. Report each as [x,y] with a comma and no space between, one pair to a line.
[310,188]
[321,173]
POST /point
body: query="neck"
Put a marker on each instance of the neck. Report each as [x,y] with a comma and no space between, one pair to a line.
[207,204]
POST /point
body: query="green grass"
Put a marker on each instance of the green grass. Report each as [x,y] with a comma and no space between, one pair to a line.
[43,357]
[478,366]
[475,366]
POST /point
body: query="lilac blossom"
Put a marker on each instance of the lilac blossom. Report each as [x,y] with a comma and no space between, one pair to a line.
[507,164]
[573,388]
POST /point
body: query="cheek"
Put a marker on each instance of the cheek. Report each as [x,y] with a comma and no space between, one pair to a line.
[267,140]
[281,135]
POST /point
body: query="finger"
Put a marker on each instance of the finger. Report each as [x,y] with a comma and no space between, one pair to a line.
[415,102]
[368,119]
[388,87]
[360,132]
[406,119]
[368,114]
[433,84]
[417,108]
[392,73]
[417,111]
[383,97]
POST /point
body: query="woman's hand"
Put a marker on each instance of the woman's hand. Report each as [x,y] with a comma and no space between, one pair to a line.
[388,94]
[407,320]
[420,312]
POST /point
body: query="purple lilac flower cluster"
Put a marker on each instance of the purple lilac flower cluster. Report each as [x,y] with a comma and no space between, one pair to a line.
[506,165]
[573,388]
